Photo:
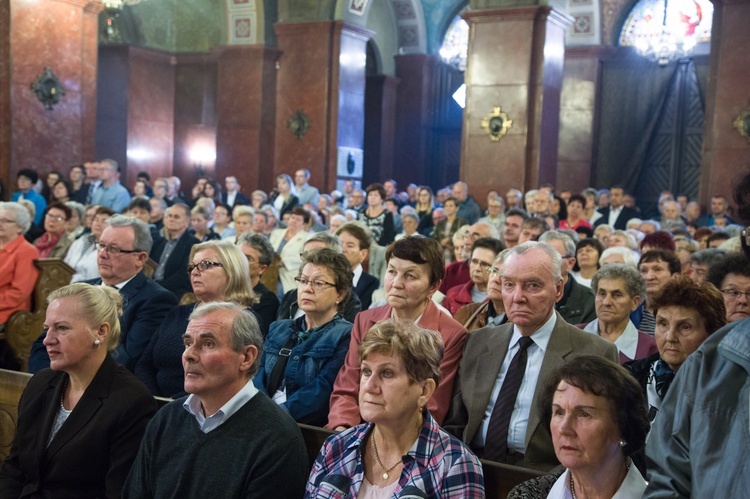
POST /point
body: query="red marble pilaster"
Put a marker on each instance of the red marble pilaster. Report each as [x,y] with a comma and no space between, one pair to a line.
[5,116]
[516,57]
[62,36]
[245,110]
[380,109]
[725,151]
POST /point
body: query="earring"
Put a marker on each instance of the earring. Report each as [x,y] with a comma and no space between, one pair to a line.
[623,443]
[97,342]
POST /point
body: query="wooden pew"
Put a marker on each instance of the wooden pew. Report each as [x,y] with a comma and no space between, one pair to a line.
[12,384]
[23,328]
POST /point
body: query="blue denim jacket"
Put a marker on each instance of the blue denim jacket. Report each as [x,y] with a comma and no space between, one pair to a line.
[311,370]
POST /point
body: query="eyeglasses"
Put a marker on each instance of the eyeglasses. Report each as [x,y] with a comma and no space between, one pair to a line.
[202,266]
[58,218]
[734,295]
[317,285]
[482,265]
[494,271]
[113,250]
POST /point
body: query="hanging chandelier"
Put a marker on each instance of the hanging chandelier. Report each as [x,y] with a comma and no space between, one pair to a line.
[669,45]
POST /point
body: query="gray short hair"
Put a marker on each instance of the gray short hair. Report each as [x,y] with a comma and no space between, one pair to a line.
[634,282]
[21,215]
[410,214]
[78,208]
[492,230]
[708,256]
[556,235]
[260,243]
[245,329]
[331,241]
[629,256]
[551,252]
[143,240]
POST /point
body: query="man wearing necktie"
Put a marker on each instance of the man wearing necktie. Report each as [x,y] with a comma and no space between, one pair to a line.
[494,408]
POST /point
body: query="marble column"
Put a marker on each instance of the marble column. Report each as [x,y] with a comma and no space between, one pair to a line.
[63,36]
[5,116]
[245,115]
[380,109]
[516,57]
[322,74]
[725,151]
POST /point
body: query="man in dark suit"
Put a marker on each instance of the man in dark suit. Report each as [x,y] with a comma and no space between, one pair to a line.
[173,252]
[577,303]
[232,197]
[123,250]
[617,214]
[356,242]
[494,408]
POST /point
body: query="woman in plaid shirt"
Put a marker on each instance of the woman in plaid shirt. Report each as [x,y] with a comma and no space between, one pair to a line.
[400,451]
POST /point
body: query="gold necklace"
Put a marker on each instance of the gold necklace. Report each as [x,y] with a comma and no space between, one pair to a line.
[377,456]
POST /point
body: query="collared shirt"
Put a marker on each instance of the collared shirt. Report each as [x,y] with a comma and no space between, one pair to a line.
[613,214]
[307,194]
[437,465]
[122,284]
[231,196]
[632,487]
[115,197]
[357,274]
[193,405]
[169,247]
[519,420]
[627,343]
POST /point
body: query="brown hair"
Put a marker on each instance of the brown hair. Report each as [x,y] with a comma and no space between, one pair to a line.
[681,291]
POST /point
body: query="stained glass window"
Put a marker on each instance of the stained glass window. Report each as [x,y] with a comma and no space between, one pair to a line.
[685,18]
[456,44]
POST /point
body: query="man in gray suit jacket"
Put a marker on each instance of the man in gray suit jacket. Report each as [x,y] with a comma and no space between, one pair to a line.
[531,283]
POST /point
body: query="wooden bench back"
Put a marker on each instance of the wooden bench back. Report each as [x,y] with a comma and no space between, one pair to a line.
[23,328]
[12,384]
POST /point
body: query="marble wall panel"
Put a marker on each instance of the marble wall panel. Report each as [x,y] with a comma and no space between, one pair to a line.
[5,116]
[380,128]
[59,36]
[150,148]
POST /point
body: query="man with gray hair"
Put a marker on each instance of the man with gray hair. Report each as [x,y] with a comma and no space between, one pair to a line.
[111,193]
[468,209]
[122,252]
[306,193]
[225,437]
[492,411]
[701,262]
[576,305]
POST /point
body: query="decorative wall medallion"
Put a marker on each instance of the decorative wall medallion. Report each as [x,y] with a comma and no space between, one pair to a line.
[742,123]
[48,88]
[357,6]
[299,124]
[496,124]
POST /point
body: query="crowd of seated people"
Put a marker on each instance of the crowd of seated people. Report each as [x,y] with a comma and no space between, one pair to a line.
[514,296]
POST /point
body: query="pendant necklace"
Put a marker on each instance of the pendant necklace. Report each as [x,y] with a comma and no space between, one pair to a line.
[377,456]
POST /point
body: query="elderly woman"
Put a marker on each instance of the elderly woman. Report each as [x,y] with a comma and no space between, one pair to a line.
[80,423]
[287,243]
[259,254]
[243,219]
[620,238]
[75,225]
[686,315]
[200,216]
[575,218]
[54,243]
[376,217]
[17,271]
[401,451]
[731,276]
[82,255]
[491,311]
[218,272]
[618,289]
[619,254]
[257,199]
[414,272]
[597,416]
[587,264]
[282,198]
[410,222]
[301,382]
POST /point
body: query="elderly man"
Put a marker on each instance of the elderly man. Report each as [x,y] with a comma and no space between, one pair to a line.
[468,209]
[577,304]
[173,252]
[495,210]
[111,193]
[513,199]
[542,201]
[122,252]
[225,438]
[306,193]
[503,368]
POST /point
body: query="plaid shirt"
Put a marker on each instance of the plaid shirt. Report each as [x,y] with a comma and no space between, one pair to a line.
[437,465]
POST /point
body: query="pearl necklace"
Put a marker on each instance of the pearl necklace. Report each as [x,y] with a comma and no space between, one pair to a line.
[572,487]
[377,456]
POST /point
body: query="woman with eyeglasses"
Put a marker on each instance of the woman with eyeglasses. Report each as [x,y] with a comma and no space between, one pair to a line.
[54,243]
[218,272]
[301,357]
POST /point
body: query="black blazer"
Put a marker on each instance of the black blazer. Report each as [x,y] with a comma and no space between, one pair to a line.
[176,278]
[622,220]
[365,288]
[239,199]
[94,449]
[145,304]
